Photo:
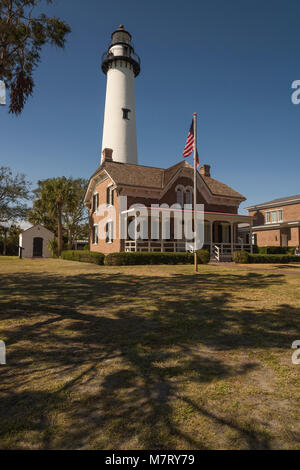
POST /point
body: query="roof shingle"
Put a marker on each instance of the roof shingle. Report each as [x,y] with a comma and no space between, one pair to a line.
[128,174]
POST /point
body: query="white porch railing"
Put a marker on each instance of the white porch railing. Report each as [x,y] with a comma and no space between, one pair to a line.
[219,251]
[224,251]
[155,245]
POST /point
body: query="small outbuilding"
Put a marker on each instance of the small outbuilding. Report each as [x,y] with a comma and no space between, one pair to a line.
[34,241]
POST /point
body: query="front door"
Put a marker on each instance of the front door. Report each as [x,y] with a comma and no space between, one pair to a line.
[38,247]
[284,239]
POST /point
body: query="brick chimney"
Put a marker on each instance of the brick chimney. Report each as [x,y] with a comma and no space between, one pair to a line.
[107,155]
[205,170]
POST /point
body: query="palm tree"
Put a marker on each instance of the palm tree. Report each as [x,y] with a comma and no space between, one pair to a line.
[59,205]
[50,196]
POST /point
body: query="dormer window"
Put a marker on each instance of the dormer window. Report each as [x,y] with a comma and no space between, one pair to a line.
[126,112]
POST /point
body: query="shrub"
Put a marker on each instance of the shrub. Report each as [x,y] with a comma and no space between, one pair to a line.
[53,247]
[84,256]
[134,258]
[203,256]
[276,258]
[11,248]
[241,256]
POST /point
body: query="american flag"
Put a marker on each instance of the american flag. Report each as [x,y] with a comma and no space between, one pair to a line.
[189,146]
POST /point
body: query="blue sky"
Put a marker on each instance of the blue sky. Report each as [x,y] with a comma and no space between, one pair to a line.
[230,61]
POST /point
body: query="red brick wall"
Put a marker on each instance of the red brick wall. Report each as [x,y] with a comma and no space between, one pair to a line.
[274,237]
[268,238]
[289,212]
[102,246]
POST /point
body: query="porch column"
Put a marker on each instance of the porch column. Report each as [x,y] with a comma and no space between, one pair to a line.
[211,236]
[231,236]
[250,238]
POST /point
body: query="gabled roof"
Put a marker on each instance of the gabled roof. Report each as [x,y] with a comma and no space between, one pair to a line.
[128,174]
[135,175]
[37,225]
[221,189]
[277,202]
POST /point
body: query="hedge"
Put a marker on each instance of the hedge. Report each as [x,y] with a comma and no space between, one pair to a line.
[276,250]
[144,258]
[245,257]
[261,258]
[84,256]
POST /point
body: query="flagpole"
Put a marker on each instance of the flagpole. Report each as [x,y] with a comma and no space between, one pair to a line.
[195,191]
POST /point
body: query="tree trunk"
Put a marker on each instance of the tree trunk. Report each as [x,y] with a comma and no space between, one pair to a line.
[59,229]
[4,242]
[69,239]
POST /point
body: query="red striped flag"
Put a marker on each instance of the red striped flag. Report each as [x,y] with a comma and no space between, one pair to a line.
[189,146]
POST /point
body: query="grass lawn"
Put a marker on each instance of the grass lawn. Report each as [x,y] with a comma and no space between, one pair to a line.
[149,357]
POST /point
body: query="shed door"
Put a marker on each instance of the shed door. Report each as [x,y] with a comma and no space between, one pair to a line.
[37,246]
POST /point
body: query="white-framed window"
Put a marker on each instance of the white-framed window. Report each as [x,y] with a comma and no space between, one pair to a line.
[268,217]
[109,229]
[110,196]
[280,216]
[95,202]
[95,235]
[179,195]
[188,196]
[274,217]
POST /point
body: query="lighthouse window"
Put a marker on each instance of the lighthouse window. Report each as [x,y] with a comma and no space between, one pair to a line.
[126,113]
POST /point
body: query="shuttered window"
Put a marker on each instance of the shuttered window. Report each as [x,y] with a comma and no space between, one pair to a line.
[95,235]
[110,196]
[109,229]
[95,202]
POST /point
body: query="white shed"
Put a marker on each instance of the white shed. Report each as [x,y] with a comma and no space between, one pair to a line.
[34,242]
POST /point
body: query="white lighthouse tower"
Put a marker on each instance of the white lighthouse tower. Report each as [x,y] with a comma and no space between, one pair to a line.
[121,65]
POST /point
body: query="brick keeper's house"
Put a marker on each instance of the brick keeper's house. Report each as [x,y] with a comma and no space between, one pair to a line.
[147,185]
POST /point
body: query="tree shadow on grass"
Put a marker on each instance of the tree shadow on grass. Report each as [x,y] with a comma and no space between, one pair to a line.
[113,356]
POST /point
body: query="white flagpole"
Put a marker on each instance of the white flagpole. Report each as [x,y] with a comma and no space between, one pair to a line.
[195,191]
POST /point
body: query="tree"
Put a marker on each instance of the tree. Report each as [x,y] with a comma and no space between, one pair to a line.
[14,191]
[21,39]
[58,205]
[9,239]
[74,212]
[47,208]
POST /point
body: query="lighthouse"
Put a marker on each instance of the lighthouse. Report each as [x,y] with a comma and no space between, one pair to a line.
[121,65]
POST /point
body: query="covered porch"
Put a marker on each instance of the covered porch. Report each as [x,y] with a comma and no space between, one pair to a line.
[221,237]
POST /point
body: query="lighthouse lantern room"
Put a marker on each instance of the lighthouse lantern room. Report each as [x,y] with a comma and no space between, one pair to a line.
[121,65]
